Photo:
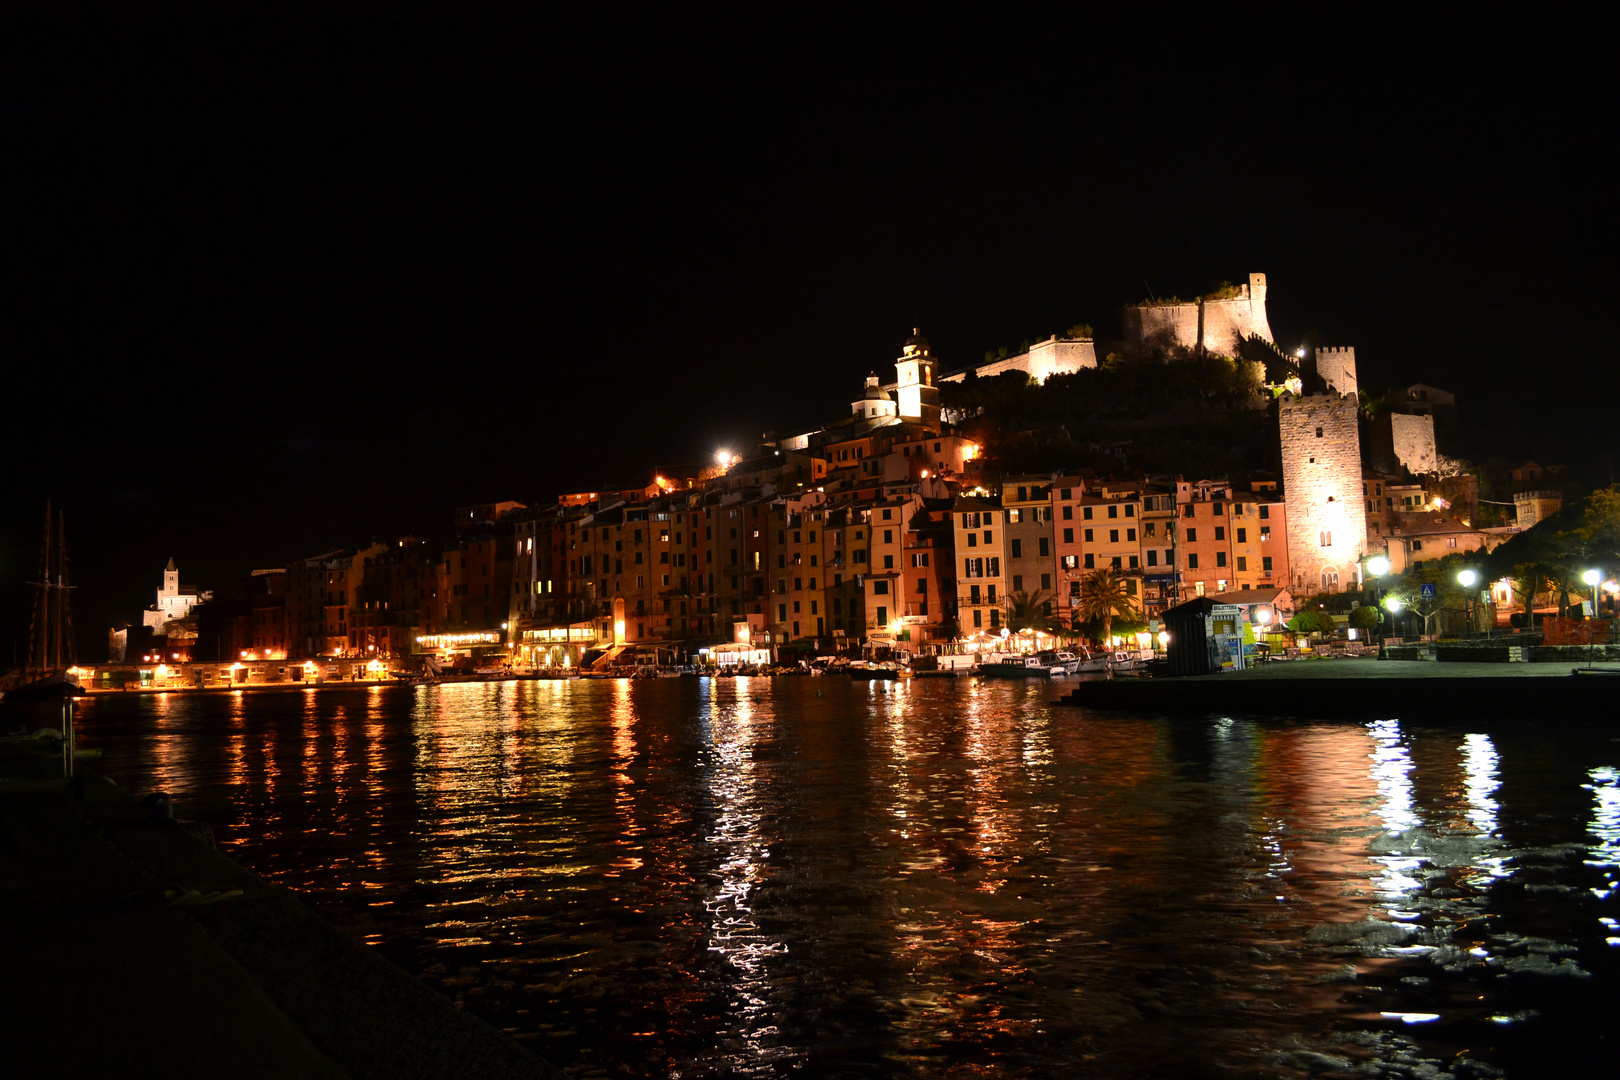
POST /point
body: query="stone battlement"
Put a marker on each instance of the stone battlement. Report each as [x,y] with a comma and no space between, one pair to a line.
[1214,324]
[1337,368]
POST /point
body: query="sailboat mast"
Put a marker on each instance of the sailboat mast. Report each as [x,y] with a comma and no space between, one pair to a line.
[59,601]
[64,614]
[39,640]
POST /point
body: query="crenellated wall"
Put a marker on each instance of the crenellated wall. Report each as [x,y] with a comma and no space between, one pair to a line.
[1337,367]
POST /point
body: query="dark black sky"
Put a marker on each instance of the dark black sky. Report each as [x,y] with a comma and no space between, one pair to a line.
[280,282]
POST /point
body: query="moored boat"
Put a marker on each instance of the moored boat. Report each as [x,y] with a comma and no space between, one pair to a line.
[1014,667]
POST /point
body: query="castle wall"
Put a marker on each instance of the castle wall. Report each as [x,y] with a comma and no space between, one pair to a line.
[1327,528]
[1179,320]
[1226,322]
[1216,324]
[1412,440]
[1337,367]
[1050,357]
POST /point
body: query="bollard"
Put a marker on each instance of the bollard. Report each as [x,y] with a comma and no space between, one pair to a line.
[67,738]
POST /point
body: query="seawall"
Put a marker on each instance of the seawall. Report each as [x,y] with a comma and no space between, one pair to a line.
[1369,690]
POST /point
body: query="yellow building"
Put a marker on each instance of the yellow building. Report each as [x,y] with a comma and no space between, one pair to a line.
[980,527]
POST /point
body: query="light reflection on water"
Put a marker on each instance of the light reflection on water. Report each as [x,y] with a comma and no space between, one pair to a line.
[758,877]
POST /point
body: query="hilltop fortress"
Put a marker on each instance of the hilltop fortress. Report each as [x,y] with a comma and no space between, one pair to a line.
[1319,422]
[1216,323]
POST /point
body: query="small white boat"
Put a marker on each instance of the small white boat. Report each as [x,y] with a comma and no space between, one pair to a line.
[1092,662]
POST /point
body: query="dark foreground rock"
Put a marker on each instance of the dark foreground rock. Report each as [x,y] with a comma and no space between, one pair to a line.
[132,948]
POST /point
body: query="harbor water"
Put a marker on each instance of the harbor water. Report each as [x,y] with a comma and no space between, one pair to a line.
[929,878]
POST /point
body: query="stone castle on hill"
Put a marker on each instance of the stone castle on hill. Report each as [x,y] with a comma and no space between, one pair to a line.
[1218,323]
[885,529]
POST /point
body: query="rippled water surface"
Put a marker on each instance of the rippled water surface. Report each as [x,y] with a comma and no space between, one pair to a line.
[816,877]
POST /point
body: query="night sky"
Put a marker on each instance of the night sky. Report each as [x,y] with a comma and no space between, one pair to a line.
[281,283]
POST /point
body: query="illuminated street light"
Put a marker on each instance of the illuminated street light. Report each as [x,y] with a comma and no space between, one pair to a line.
[1592,577]
[1394,604]
[1378,566]
[1467,578]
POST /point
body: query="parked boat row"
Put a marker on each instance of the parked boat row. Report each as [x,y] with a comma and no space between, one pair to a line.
[1061,663]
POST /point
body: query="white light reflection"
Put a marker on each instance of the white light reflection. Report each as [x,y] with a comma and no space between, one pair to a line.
[734,782]
[1480,781]
[1605,854]
[1392,772]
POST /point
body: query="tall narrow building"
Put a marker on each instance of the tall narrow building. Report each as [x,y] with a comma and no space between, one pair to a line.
[1321,467]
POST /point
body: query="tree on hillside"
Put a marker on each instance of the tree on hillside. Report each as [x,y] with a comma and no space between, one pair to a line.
[1103,596]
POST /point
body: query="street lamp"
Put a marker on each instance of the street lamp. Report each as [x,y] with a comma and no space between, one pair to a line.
[1378,566]
[1393,605]
[1592,577]
[1467,578]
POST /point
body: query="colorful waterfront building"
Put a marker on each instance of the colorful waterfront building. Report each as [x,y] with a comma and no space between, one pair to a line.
[981,583]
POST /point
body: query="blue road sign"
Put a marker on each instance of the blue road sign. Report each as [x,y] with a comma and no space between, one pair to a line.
[1428,590]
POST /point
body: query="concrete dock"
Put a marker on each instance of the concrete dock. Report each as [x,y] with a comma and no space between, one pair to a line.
[134,948]
[1370,689]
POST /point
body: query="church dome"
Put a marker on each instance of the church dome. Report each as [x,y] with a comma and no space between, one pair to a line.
[916,342]
[874,392]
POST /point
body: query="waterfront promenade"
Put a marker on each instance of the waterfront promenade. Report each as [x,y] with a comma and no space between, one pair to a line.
[1365,687]
[133,947]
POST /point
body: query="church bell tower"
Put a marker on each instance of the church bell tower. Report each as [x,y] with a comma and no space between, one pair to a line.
[918,389]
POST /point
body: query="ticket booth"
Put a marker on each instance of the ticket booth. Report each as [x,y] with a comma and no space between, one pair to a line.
[1206,637]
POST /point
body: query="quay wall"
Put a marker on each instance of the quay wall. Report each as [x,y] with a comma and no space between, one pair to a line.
[239,675]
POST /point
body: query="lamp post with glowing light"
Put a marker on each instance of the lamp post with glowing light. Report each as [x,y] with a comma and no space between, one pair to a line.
[1393,605]
[1262,616]
[1378,566]
[1592,577]
[1467,578]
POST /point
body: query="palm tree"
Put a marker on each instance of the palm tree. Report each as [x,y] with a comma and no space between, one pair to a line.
[1031,611]
[1102,596]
